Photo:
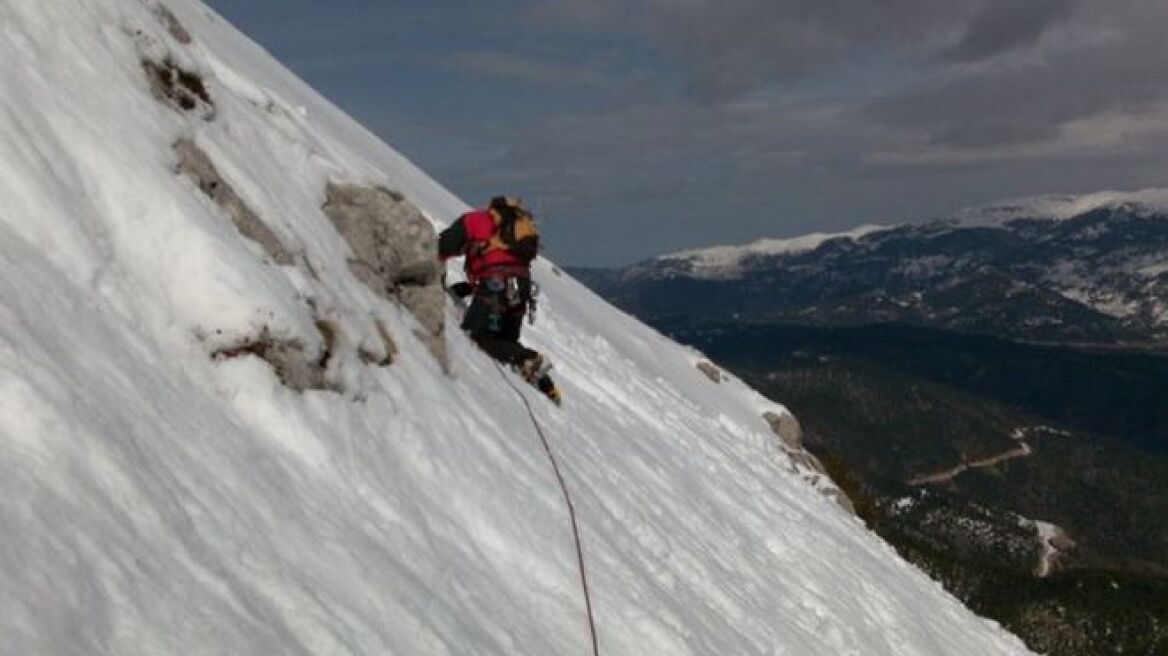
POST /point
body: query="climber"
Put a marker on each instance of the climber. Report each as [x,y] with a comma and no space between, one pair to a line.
[499,244]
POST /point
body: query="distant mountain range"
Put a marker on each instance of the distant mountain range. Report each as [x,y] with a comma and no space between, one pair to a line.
[1088,268]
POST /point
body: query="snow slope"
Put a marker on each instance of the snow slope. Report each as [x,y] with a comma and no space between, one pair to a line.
[156,501]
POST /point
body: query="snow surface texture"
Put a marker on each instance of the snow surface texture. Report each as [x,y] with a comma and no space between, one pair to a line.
[154,500]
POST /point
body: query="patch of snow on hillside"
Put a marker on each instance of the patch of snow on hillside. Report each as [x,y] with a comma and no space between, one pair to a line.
[1052,540]
[925,268]
[1104,301]
[726,261]
[1153,270]
[1071,281]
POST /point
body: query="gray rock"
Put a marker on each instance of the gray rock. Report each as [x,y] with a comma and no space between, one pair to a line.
[388,348]
[787,427]
[294,365]
[711,372]
[394,249]
[805,460]
[173,25]
[841,500]
[196,165]
[183,90]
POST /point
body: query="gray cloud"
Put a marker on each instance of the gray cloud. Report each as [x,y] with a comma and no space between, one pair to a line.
[728,48]
[1003,26]
[519,68]
[1113,62]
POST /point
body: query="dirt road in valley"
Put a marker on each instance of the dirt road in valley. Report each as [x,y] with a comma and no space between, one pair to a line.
[1023,450]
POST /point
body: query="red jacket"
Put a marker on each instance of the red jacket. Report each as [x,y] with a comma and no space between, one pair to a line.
[473,235]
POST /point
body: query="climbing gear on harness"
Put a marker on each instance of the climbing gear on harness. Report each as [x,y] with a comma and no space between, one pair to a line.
[532,302]
[505,292]
[511,292]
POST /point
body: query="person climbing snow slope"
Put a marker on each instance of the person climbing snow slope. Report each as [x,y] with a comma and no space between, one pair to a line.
[499,244]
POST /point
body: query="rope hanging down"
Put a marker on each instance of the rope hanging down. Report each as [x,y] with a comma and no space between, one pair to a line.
[547,447]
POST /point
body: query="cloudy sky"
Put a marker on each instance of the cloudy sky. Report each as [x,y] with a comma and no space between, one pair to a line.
[637,127]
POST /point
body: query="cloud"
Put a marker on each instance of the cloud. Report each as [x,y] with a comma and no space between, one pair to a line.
[973,74]
[730,48]
[1002,26]
[1133,136]
[1112,62]
[524,69]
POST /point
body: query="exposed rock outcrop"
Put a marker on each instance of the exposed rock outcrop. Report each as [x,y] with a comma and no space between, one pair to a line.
[173,25]
[295,366]
[393,253]
[388,349]
[790,433]
[1054,541]
[178,87]
[786,427]
[196,165]
[710,371]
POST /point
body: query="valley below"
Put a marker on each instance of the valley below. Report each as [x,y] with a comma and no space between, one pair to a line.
[1030,508]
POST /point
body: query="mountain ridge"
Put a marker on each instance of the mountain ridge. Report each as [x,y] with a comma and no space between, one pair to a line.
[1049,207]
[1095,276]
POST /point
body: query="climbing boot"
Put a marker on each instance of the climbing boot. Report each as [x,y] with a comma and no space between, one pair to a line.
[546,385]
[535,368]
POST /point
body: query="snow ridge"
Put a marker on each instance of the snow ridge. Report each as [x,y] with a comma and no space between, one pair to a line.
[727,261]
[1057,207]
[158,501]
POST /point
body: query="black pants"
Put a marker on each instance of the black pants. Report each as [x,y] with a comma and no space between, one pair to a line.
[495,317]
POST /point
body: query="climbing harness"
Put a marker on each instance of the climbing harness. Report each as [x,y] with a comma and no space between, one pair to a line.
[547,447]
[532,303]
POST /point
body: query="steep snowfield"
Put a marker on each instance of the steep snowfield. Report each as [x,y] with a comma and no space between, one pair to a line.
[156,501]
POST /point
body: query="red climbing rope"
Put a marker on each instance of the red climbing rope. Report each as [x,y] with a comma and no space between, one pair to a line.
[547,447]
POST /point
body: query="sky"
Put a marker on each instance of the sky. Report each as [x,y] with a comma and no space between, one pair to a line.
[639,127]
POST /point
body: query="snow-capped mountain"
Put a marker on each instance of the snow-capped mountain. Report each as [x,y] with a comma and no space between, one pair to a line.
[1079,268]
[234,422]
[729,262]
[1059,207]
